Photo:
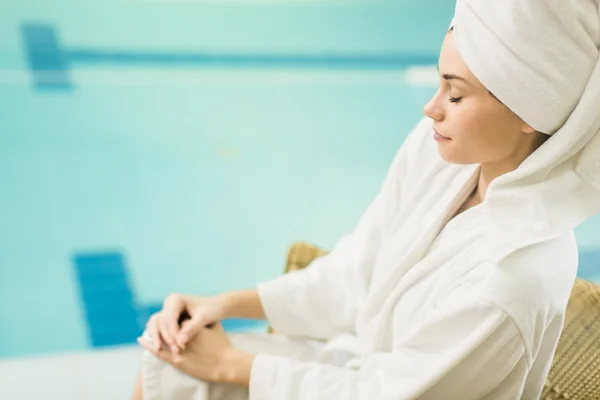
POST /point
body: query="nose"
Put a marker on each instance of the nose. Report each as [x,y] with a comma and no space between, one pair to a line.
[433,109]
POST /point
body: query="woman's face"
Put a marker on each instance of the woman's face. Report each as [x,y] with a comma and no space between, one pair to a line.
[480,129]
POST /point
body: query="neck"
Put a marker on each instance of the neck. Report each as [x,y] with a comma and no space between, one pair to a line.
[490,171]
[487,174]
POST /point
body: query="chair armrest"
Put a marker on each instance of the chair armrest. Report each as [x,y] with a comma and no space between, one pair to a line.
[301,254]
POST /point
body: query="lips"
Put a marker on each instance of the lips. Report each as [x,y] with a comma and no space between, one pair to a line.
[445,137]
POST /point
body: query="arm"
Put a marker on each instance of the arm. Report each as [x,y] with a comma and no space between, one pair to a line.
[243,304]
[462,351]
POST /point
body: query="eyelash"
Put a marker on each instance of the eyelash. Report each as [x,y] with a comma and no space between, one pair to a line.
[455,99]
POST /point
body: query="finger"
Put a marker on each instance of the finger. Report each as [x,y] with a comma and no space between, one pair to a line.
[153,331]
[184,324]
[173,310]
[169,340]
[189,329]
[147,344]
[162,354]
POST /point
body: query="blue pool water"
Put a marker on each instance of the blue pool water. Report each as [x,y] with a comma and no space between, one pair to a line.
[148,147]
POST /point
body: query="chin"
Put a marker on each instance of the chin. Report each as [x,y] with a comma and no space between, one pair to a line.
[452,157]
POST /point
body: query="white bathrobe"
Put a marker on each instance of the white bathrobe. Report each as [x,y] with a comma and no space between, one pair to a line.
[412,306]
[452,320]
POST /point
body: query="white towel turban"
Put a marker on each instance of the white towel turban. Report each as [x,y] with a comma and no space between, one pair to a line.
[536,56]
[540,58]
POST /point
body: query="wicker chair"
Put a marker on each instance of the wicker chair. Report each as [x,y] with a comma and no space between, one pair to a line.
[575,371]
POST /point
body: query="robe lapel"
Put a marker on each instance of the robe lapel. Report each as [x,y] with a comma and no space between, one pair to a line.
[396,262]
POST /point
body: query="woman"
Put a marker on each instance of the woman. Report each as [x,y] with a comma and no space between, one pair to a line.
[455,281]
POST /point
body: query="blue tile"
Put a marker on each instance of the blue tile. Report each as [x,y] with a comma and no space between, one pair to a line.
[244,325]
[112,314]
[110,306]
[594,279]
[153,308]
[114,338]
[589,264]
[337,61]
[111,283]
[48,62]
[101,264]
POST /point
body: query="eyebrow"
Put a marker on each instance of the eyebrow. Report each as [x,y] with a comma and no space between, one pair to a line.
[452,76]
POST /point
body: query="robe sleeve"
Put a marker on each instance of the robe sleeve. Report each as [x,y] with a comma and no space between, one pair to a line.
[322,300]
[467,350]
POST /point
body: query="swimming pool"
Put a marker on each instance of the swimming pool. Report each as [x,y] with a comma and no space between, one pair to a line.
[153,146]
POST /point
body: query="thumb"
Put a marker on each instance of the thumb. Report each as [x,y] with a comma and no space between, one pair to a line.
[190,328]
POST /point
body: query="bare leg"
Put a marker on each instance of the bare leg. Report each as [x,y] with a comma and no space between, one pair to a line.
[137,392]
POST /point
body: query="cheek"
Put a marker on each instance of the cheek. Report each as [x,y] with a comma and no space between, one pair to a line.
[500,133]
[474,129]
[479,137]
[494,145]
